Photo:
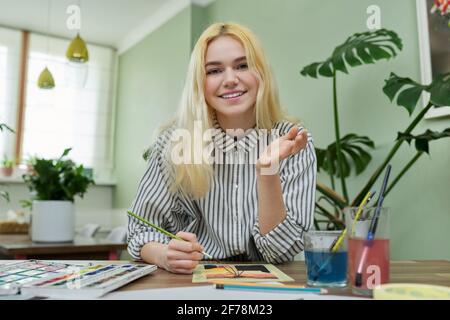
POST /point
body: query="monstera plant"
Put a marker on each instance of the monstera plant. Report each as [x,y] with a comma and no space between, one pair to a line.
[408,93]
[353,150]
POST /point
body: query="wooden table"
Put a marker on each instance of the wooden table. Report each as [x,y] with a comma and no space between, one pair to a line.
[435,272]
[21,247]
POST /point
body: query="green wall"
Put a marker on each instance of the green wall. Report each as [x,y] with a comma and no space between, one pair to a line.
[199,22]
[151,77]
[295,33]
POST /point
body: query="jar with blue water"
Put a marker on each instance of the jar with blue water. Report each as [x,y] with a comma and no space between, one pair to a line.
[325,266]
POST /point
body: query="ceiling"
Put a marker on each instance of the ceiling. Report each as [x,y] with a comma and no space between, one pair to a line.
[105,22]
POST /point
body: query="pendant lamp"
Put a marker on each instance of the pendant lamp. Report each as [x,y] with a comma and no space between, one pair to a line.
[77,51]
[45,80]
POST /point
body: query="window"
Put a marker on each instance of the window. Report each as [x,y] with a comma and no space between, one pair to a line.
[10,43]
[70,115]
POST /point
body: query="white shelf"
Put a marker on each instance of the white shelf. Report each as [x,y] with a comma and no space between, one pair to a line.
[17,179]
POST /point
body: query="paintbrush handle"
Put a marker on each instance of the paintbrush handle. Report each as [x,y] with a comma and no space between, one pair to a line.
[366,200]
[167,233]
[241,283]
[256,286]
[339,241]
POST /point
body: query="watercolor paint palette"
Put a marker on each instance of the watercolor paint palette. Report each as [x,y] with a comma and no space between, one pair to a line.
[69,281]
[16,274]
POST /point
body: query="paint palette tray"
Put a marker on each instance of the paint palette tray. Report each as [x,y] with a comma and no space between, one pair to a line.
[72,281]
[16,274]
[88,282]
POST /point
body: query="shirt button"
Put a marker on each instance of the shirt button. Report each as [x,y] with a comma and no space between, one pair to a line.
[236,186]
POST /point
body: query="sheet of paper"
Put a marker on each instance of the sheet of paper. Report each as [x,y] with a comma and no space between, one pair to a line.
[242,273]
[210,293]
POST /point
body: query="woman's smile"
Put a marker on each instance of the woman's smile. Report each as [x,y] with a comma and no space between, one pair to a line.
[233,96]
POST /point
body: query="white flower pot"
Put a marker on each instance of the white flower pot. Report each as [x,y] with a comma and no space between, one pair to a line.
[52,221]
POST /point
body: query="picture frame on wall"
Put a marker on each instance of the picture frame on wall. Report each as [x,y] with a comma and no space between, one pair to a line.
[434,45]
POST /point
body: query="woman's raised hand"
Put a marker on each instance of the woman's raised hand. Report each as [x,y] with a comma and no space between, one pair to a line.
[283,147]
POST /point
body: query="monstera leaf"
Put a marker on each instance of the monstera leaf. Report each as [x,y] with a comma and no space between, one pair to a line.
[353,148]
[422,140]
[358,49]
[440,90]
[409,91]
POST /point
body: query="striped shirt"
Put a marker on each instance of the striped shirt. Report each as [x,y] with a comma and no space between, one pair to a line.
[225,220]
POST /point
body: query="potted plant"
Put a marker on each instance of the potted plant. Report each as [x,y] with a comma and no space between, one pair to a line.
[29,163]
[352,151]
[54,184]
[6,166]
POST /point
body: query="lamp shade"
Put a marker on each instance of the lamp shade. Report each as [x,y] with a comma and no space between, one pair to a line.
[77,50]
[45,80]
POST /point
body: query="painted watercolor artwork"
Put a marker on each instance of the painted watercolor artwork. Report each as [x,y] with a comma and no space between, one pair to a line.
[239,272]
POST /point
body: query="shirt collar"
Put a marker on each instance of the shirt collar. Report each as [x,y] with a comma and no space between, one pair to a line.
[227,143]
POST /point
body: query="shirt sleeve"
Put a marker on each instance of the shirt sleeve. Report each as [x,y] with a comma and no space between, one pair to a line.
[298,181]
[153,202]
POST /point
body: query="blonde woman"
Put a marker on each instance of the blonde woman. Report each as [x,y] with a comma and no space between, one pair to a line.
[243,189]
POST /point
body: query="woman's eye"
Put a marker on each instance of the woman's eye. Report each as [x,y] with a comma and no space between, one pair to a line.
[213,71]
[243,66]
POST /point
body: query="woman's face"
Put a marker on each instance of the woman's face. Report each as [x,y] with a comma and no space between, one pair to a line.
[230,87]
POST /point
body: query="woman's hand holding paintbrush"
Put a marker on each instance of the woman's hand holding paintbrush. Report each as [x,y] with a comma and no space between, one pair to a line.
[178,256]
[181,255]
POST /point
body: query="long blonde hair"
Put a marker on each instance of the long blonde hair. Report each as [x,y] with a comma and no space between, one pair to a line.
[195,179]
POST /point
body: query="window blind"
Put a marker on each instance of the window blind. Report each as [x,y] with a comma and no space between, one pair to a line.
[74,114]
[10,46]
